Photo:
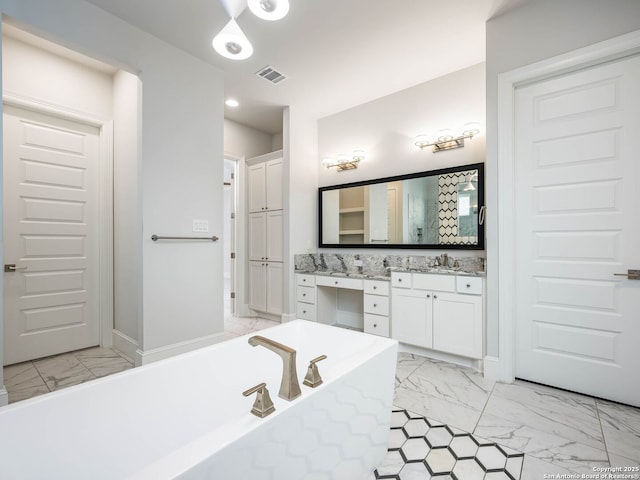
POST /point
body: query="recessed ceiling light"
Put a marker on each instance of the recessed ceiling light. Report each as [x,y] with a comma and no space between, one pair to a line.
[232,43]
[269,9]
[231,103]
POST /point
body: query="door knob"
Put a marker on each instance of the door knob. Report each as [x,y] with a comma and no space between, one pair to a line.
[11,267]
[631,274]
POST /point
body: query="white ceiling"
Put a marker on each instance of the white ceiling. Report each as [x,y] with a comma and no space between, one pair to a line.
[336,53]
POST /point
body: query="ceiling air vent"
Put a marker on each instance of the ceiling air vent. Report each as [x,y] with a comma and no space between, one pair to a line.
[271,75]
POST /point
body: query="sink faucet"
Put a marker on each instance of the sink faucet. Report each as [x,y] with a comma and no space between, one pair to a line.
[289,386]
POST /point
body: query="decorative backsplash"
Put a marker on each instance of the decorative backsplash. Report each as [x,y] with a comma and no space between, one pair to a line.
[378,264]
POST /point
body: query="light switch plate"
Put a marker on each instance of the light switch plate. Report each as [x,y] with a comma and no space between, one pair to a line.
[201,226]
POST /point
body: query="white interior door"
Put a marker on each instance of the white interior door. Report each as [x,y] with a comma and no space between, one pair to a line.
[50,234]
[577,178]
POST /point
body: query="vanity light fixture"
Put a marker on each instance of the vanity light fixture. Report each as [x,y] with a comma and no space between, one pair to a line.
[269,9]
[446,139]
[232,43]
[231,102]
[343,161]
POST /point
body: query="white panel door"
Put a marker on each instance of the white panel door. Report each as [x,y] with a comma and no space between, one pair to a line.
[577,169]
[412,317]
[257,286]
[256,187]
[257,236]
[50,235]
[274,276]
[273,179]
[275,232]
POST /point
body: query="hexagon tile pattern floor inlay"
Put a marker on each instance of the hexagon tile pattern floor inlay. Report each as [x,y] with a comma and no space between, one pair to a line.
[420,449]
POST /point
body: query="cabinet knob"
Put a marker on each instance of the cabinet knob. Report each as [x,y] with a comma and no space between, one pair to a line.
[468,285]
[304,311]
[304,279]
[336,282]
[375,305]
[375,325]
[375,288]
[399,280]
[428,296]
[304,294]
[435,296]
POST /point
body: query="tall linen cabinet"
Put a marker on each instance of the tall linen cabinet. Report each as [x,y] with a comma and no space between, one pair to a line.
[265,232]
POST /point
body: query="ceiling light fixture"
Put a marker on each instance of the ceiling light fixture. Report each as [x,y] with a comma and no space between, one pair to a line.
[343,162]
[232,43]
[446,139]
[269,9]
[231,103]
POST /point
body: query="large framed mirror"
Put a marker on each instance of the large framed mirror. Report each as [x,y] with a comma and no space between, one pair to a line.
[435,209]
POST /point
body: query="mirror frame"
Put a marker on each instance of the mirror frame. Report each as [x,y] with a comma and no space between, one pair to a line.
[429,173]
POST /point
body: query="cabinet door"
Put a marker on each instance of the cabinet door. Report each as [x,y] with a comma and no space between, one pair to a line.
[411,317]
[257,286]
[274,185]
[257,236]
[256,187]
[274,287]
[457,324]
[274,236]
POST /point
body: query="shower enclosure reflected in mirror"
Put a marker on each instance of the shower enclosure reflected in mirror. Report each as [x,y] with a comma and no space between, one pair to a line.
[435,209]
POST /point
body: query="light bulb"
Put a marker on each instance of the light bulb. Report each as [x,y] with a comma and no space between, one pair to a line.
[269,9]
[445,135]
[232,43]
[471,129]
[421,140]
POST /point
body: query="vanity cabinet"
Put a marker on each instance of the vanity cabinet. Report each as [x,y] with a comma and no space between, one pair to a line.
[265,233]
[376,307]
[306,297]
[442,312]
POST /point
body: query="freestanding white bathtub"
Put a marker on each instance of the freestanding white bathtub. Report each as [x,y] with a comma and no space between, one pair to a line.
[186,418]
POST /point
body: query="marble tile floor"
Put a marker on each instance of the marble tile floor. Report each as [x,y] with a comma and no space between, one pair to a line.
[30,379]
[559,432]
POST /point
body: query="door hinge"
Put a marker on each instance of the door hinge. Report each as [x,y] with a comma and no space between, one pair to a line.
[233,215]
[233,254]
[233,294]
[233,175]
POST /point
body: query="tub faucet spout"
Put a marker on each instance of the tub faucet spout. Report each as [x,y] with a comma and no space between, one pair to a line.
[289,386]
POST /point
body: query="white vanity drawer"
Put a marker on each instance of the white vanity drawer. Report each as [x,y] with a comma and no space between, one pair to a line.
[376,287]
[470,285]
[376,324]
[443,283]
[340,282]
[306,311]
[306,294]
[305,279]
[401,280]
[376,304]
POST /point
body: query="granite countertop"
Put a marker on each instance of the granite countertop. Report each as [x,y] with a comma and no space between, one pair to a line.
[434,270]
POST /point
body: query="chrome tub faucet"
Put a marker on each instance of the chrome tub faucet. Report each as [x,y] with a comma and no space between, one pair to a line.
[289,386]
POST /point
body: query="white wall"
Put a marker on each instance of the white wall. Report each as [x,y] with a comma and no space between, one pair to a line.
[31,72]
[385,128]
[127,209]
[300,141]
[536,31]
[276,141]
[243,141]
[182,157]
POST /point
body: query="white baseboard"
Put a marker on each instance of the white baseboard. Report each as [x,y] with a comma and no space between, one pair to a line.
[155,354]
[4,397]
[445,357]
[127,346]
[492,368]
